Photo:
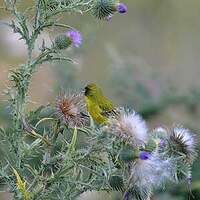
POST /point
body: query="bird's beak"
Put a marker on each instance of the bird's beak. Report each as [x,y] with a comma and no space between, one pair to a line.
[82,90]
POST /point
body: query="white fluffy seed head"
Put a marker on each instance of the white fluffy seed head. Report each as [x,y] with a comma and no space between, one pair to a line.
[153,172]
[129,126]
[184,141]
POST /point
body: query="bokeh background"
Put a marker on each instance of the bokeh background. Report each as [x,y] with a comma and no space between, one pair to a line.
[147,59]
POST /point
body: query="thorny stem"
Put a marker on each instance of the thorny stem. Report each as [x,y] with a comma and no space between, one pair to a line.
[70,8]
[34,181]
[37,5]
[30,38]
[63,25]
[25,72]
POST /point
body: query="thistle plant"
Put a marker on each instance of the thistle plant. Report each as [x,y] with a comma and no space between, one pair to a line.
[57,151]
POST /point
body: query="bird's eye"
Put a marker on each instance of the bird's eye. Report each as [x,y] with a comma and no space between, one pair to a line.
[87,89]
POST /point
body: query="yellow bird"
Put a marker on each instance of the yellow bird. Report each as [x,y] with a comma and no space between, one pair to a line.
[99,106]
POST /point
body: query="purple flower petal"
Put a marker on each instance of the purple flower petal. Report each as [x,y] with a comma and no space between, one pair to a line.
[144,155]
[75,37]
[122,8]
[108,18]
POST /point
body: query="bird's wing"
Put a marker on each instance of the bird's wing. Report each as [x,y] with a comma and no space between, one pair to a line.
[107,108]
[95,111]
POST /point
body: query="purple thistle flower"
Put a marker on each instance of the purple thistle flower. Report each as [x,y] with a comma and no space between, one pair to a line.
[75,37]
[126,196]
[122,8]
[144,155]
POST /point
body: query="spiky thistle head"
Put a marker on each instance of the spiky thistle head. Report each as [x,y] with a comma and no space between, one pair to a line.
[62,42]
[71,37]
[182,142]
[70,109]
[104,8]
[130,127]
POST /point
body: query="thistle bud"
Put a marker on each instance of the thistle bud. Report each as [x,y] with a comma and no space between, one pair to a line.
[122,8]
[72,37]
[151,145]
[127,155]
[62,42]
[104,8]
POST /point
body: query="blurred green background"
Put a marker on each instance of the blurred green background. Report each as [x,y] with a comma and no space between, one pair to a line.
[147,59]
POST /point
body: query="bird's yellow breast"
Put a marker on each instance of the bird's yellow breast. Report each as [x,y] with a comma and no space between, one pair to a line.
[95,111]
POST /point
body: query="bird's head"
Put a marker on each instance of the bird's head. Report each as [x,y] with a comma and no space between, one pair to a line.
[92,90]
